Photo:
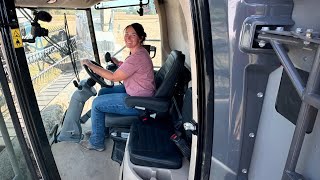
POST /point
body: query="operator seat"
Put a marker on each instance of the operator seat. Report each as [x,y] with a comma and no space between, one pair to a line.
[166,78]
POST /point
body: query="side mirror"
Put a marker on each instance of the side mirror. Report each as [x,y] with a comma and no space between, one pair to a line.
[36,29]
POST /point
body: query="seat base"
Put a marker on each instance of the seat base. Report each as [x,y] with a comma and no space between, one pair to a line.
[130,171]
[150,145]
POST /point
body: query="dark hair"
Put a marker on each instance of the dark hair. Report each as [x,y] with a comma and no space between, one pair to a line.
[139,30]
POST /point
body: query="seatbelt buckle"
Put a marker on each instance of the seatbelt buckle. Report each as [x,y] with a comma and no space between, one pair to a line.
[175,138]
[145,116]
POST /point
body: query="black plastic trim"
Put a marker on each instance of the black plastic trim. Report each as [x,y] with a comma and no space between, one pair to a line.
[204,58]
[93,36]
[256,79]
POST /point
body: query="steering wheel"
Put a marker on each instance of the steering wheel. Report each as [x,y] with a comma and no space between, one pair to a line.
[96,77]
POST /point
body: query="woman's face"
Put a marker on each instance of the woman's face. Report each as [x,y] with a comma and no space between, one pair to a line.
[131,38]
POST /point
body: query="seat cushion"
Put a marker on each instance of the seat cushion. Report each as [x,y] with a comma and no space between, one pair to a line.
[150,145]
[116,120]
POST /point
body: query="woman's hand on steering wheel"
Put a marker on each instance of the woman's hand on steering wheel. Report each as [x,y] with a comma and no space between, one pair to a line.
[86,63]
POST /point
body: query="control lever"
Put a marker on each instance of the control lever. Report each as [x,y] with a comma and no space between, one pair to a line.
[76,84]
[111,67]
[107,58]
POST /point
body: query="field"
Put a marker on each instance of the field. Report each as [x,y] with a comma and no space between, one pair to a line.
[58,21]
[149,22]
[151,27]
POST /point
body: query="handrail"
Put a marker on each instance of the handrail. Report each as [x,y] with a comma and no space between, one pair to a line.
[310,100]
[288,66]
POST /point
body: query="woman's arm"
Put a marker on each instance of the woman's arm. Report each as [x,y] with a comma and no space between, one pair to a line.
[116,61]
[118,75]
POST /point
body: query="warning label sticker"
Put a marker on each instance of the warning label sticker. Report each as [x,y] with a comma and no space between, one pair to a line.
[16,38]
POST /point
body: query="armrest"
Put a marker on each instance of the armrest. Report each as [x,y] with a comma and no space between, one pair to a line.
[150,103]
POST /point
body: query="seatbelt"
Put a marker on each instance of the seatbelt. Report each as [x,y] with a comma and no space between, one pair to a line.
[182,145]
[177,124]
[176,137]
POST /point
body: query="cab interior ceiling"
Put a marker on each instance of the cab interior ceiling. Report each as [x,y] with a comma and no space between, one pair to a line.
[68,4]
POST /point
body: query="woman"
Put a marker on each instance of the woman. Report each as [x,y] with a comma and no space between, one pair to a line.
[137,75]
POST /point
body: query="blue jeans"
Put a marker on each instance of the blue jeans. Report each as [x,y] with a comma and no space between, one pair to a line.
[109,100]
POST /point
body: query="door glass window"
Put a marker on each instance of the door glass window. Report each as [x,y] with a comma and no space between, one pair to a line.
[13,163]
[54,60]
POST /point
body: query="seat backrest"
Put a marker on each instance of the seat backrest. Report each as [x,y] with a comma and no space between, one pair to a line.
[167,76]
[147,47]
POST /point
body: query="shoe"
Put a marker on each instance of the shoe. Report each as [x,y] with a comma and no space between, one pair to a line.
[88,146]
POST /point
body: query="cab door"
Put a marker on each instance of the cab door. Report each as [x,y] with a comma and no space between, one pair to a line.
[25,152]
